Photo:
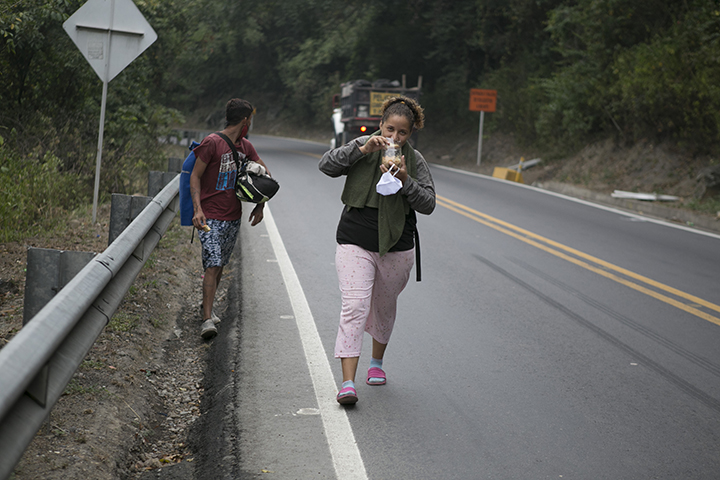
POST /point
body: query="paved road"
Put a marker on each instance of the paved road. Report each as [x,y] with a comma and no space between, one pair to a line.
[548,339]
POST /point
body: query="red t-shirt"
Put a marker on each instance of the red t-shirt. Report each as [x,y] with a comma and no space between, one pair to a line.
[217,185]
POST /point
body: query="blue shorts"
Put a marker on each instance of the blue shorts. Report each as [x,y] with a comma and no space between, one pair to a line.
[218,243]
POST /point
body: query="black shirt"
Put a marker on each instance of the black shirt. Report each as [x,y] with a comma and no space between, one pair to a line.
[359,226]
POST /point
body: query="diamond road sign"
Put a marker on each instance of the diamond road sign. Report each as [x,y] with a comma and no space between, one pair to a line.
[110,34]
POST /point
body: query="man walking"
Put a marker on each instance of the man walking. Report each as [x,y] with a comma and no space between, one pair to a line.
[217,210]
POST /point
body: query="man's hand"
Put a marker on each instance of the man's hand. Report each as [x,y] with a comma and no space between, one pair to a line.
[199,219]
[256,215]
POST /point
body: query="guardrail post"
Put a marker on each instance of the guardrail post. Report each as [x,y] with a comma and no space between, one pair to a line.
[158,180]
[175,164]
[48,271]
[123,210]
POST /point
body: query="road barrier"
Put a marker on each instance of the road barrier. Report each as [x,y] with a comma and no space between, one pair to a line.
[37,364]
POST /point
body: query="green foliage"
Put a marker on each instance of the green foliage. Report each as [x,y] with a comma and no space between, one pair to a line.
[35,193]
[671,84]
[568,115]
[39,63]
[637,69]
[51,109]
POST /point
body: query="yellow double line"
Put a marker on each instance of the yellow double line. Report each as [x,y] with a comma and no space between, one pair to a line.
[601,267]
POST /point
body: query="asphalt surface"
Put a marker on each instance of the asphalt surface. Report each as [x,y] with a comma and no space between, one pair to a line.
[547,339]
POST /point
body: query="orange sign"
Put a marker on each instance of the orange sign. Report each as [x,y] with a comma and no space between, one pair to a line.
[482,100]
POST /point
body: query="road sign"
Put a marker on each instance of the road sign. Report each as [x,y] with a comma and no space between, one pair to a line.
[110,34]
[482,100]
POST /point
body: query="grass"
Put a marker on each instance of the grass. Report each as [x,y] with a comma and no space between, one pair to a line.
[174,234]
[76,388]
[709,205]
[158,322]
[123,322]
[92,365]
[151,262]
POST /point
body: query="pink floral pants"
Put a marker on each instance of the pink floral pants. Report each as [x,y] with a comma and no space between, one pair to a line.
[370,285]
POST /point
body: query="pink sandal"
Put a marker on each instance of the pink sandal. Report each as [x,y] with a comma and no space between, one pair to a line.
[347,396]
[376,376]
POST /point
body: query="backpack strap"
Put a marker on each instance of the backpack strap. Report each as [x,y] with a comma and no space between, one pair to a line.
[416,235]
[418,269]
[236,155]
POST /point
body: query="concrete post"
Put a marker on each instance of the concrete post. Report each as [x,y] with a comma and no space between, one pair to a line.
[175,164]
[123,210]
[48,271]
[158,180]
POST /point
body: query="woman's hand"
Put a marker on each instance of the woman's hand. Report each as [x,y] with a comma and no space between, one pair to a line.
[374,144]
[400,173]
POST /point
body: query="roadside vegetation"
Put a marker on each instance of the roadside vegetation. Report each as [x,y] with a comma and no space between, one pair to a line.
[568,73]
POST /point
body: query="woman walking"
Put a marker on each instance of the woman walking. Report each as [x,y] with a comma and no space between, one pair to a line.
[376,234]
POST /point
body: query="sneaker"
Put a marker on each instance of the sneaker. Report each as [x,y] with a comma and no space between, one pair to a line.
[209,330]
[214,317]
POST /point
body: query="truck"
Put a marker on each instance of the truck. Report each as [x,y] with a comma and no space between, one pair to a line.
[356,109]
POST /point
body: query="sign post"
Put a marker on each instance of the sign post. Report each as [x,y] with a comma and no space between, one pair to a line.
[101,28]
[482,101]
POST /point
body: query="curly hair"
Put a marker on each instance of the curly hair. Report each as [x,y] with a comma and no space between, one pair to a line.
[404,107]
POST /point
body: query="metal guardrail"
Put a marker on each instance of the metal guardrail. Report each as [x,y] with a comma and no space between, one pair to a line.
[38,363]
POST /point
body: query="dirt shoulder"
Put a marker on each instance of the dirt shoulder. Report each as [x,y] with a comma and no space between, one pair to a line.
[128,408]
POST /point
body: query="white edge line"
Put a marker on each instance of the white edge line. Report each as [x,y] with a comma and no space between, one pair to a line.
[341,440]
[583,202]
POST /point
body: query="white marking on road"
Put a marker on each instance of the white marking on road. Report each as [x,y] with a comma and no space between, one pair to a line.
[308,411]
[341,439]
